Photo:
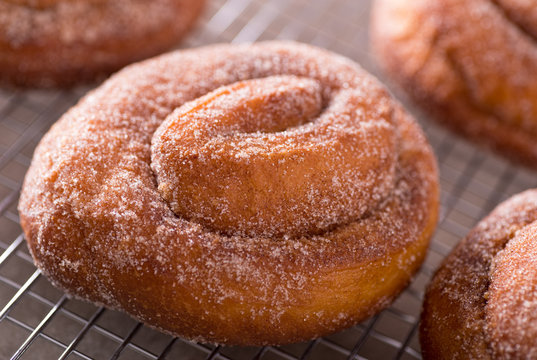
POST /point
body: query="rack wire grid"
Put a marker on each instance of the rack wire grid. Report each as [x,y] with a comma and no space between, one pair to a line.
[38,321]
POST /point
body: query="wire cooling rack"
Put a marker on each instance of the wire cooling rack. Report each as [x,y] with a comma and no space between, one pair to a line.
[38,321]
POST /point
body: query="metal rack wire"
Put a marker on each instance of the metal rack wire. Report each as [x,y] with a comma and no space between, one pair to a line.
[38,321]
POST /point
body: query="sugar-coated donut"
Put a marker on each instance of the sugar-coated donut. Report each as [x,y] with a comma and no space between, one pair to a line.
[471,64]
[46,43]
[237,194]
[482,302]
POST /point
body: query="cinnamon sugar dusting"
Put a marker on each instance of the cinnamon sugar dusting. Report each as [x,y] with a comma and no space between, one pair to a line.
[97,201]
[84,22]
[276,175]
[511,312]
[58,43]
[490,280]
[469,63]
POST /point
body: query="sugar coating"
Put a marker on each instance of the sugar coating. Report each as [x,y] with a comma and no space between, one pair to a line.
[281,170]
[490,281]
[83,21]
[49,43]
[471,64]
[512,297]
[99,227]
[476,79]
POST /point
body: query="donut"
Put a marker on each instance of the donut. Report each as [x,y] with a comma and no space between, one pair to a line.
[470,64]
[234,194]
[59,43]
[482,302]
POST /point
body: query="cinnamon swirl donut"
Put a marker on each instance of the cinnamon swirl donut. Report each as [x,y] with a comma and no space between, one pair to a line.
[471,64]
[48,43]
[482,302]
[251,194]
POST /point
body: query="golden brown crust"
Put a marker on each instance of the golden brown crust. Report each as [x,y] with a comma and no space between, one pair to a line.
[64,42]
[482,302]
[469,63]
[97,225]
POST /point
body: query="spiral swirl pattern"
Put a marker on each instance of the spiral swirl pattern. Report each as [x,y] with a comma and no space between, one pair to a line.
[251,194]
[276,175]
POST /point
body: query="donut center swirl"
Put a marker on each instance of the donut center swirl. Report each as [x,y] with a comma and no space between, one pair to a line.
[262,158]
